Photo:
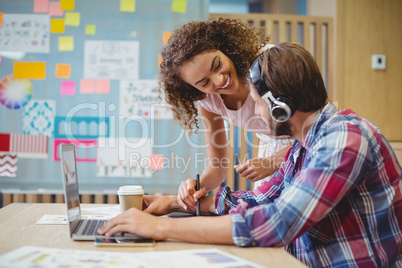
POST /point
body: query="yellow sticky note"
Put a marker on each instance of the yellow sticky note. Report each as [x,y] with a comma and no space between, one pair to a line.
[63,70]
[1,18]
[127,5]
[90,29]
[166,36]
[66,43]
[179,6]
[30,70]
[57,25]
[72,18]
[159,60]
[67,4]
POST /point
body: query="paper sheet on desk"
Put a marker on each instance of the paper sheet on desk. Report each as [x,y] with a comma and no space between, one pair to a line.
[112,211]
[62,219]
[28,256]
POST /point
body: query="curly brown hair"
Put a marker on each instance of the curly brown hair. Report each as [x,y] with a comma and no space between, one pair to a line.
[239,41]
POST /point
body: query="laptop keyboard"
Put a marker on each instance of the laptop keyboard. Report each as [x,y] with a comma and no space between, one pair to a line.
[92,226]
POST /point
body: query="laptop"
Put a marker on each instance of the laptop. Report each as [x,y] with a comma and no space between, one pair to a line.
[80,229]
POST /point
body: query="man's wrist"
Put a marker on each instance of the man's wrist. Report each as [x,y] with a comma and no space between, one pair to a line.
[174,205]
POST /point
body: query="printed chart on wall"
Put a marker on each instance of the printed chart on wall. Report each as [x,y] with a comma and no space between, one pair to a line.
[25,32]
[140,97]
[111,59]
[124,157]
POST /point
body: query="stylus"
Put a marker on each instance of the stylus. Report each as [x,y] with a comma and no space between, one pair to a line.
[197,188]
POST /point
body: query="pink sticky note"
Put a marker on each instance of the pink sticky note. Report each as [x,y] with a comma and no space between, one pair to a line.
[67,88]
[41,6]
[102,86]
[87,86]
[55,10]
[156,161]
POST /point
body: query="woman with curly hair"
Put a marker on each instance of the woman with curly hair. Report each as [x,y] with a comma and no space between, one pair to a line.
[207,62]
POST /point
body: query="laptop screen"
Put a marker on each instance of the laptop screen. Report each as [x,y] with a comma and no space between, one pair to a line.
[70,182]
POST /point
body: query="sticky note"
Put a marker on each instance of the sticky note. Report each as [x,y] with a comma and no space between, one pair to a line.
[87,86]
[55,10]
[166,36]
[156,161]
[179,6]
[72,18]
[57,25]
[30,70]
[1,18]
[67,88]
[41,6]
[63,70]
[102,86]
[90,29]
[127,5]
[67,4]
[159,60]
[66,43]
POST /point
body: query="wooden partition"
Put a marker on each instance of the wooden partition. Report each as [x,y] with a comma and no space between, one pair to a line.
[20,197]
[313,33]
[365,28]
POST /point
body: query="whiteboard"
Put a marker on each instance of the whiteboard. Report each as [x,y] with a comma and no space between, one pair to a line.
[135,38]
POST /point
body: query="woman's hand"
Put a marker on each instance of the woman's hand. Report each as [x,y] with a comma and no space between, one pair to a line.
[255,169]
[187,196]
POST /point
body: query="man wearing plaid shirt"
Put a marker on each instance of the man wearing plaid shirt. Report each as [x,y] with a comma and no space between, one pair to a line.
[336,200]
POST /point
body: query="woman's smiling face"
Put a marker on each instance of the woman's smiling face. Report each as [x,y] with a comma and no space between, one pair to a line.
[212,73]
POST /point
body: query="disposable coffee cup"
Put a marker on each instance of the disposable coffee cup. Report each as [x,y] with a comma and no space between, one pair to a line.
[130,196]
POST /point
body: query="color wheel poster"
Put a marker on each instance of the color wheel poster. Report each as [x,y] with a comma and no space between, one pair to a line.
[14,93]
[141,97]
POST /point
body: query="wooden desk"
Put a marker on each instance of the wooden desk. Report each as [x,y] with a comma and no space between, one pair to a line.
[18,228]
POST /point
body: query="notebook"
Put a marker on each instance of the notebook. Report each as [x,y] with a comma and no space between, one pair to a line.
[80,229]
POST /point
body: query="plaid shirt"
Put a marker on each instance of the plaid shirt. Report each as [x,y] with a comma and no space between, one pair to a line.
[336,201]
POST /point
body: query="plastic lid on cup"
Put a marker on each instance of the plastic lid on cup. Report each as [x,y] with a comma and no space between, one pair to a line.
[130,190]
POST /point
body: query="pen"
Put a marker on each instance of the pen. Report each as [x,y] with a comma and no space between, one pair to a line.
[197,188]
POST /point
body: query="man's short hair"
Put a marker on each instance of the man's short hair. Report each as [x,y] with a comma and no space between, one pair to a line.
[289,70]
